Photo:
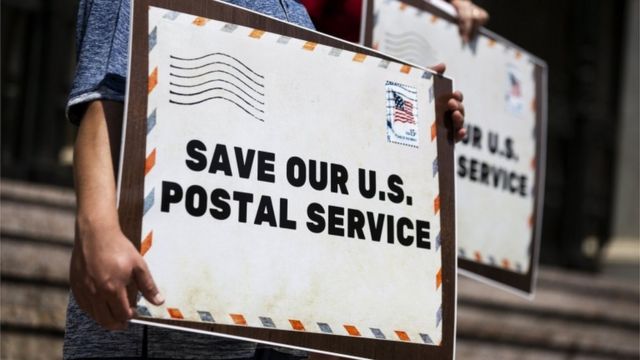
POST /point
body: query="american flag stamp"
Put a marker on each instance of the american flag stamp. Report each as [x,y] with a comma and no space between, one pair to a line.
[513,94]
[402,114]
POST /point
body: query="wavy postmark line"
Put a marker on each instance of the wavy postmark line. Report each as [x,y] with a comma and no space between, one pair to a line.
[403,37]
[218,54]
[405,46]
[213,88]
[183,76]
[409,51]
[212,80]
[248,108]
[221,89]
[215,98]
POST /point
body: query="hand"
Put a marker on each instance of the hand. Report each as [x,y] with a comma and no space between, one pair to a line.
[470,18]
[455,106]
[106,269]
[106,273]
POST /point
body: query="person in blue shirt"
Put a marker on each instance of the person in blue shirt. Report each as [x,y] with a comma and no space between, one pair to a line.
[105,266]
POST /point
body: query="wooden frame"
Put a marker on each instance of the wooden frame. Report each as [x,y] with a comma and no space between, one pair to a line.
[132,175]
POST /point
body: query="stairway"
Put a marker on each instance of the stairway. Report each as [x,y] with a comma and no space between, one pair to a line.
[573,316]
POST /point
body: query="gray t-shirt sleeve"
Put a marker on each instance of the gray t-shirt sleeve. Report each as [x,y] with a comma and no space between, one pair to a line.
[102,37]
[102,43]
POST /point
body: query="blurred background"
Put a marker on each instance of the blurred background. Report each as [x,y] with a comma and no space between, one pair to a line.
[587,304]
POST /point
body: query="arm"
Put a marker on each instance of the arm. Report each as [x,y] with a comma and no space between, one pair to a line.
[106,269]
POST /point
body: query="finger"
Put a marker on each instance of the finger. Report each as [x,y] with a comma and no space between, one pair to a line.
[458,95]
[464,32]
[119,306]
[118,324]
[439,68]
[132,296]
[458,120]
[145,283]
[483,16]
[461,108]
[465,23]
[454,105]
[461,134]
[102,315]
[475,20]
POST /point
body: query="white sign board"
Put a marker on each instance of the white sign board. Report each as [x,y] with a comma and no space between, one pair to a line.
[290,185]
[497,165]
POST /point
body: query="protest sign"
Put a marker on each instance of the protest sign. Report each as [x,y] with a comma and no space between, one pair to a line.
[287,187]
[500,165]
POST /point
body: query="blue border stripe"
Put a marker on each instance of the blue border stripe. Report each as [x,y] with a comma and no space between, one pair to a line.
[153,38]
[149,201]
[151,121]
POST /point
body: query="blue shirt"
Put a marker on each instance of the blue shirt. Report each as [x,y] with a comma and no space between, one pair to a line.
[102,47]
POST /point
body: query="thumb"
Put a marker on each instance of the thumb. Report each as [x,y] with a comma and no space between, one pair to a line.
[145,283]
[439,68]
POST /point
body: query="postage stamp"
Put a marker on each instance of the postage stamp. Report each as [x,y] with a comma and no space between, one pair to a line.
[513,91]
[402,114]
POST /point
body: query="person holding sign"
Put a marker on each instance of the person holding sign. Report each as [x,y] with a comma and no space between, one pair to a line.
[106,270]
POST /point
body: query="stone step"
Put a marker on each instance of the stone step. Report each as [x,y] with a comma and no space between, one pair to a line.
[18,345]
[556,334]
[582,301]
[573,315]
[43,263]
[36,222]
[63,198]
[33,306]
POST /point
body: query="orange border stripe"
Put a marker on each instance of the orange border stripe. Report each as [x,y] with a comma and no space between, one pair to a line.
[491,42]
[358,57]
[436,204]
[506,264]
[256,34]
[146,243]
[433,131]
[297,325]
[439,279]
[150,162]
[405,69]
[533,163]
[478,256]
[175,313]
[153,80]
[352,330]
[238,319]
[518,54]
[434,19]
[309,46]
[200,21]
[402,335]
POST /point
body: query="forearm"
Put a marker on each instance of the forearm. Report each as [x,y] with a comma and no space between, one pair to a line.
[106,270]
[95,163]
